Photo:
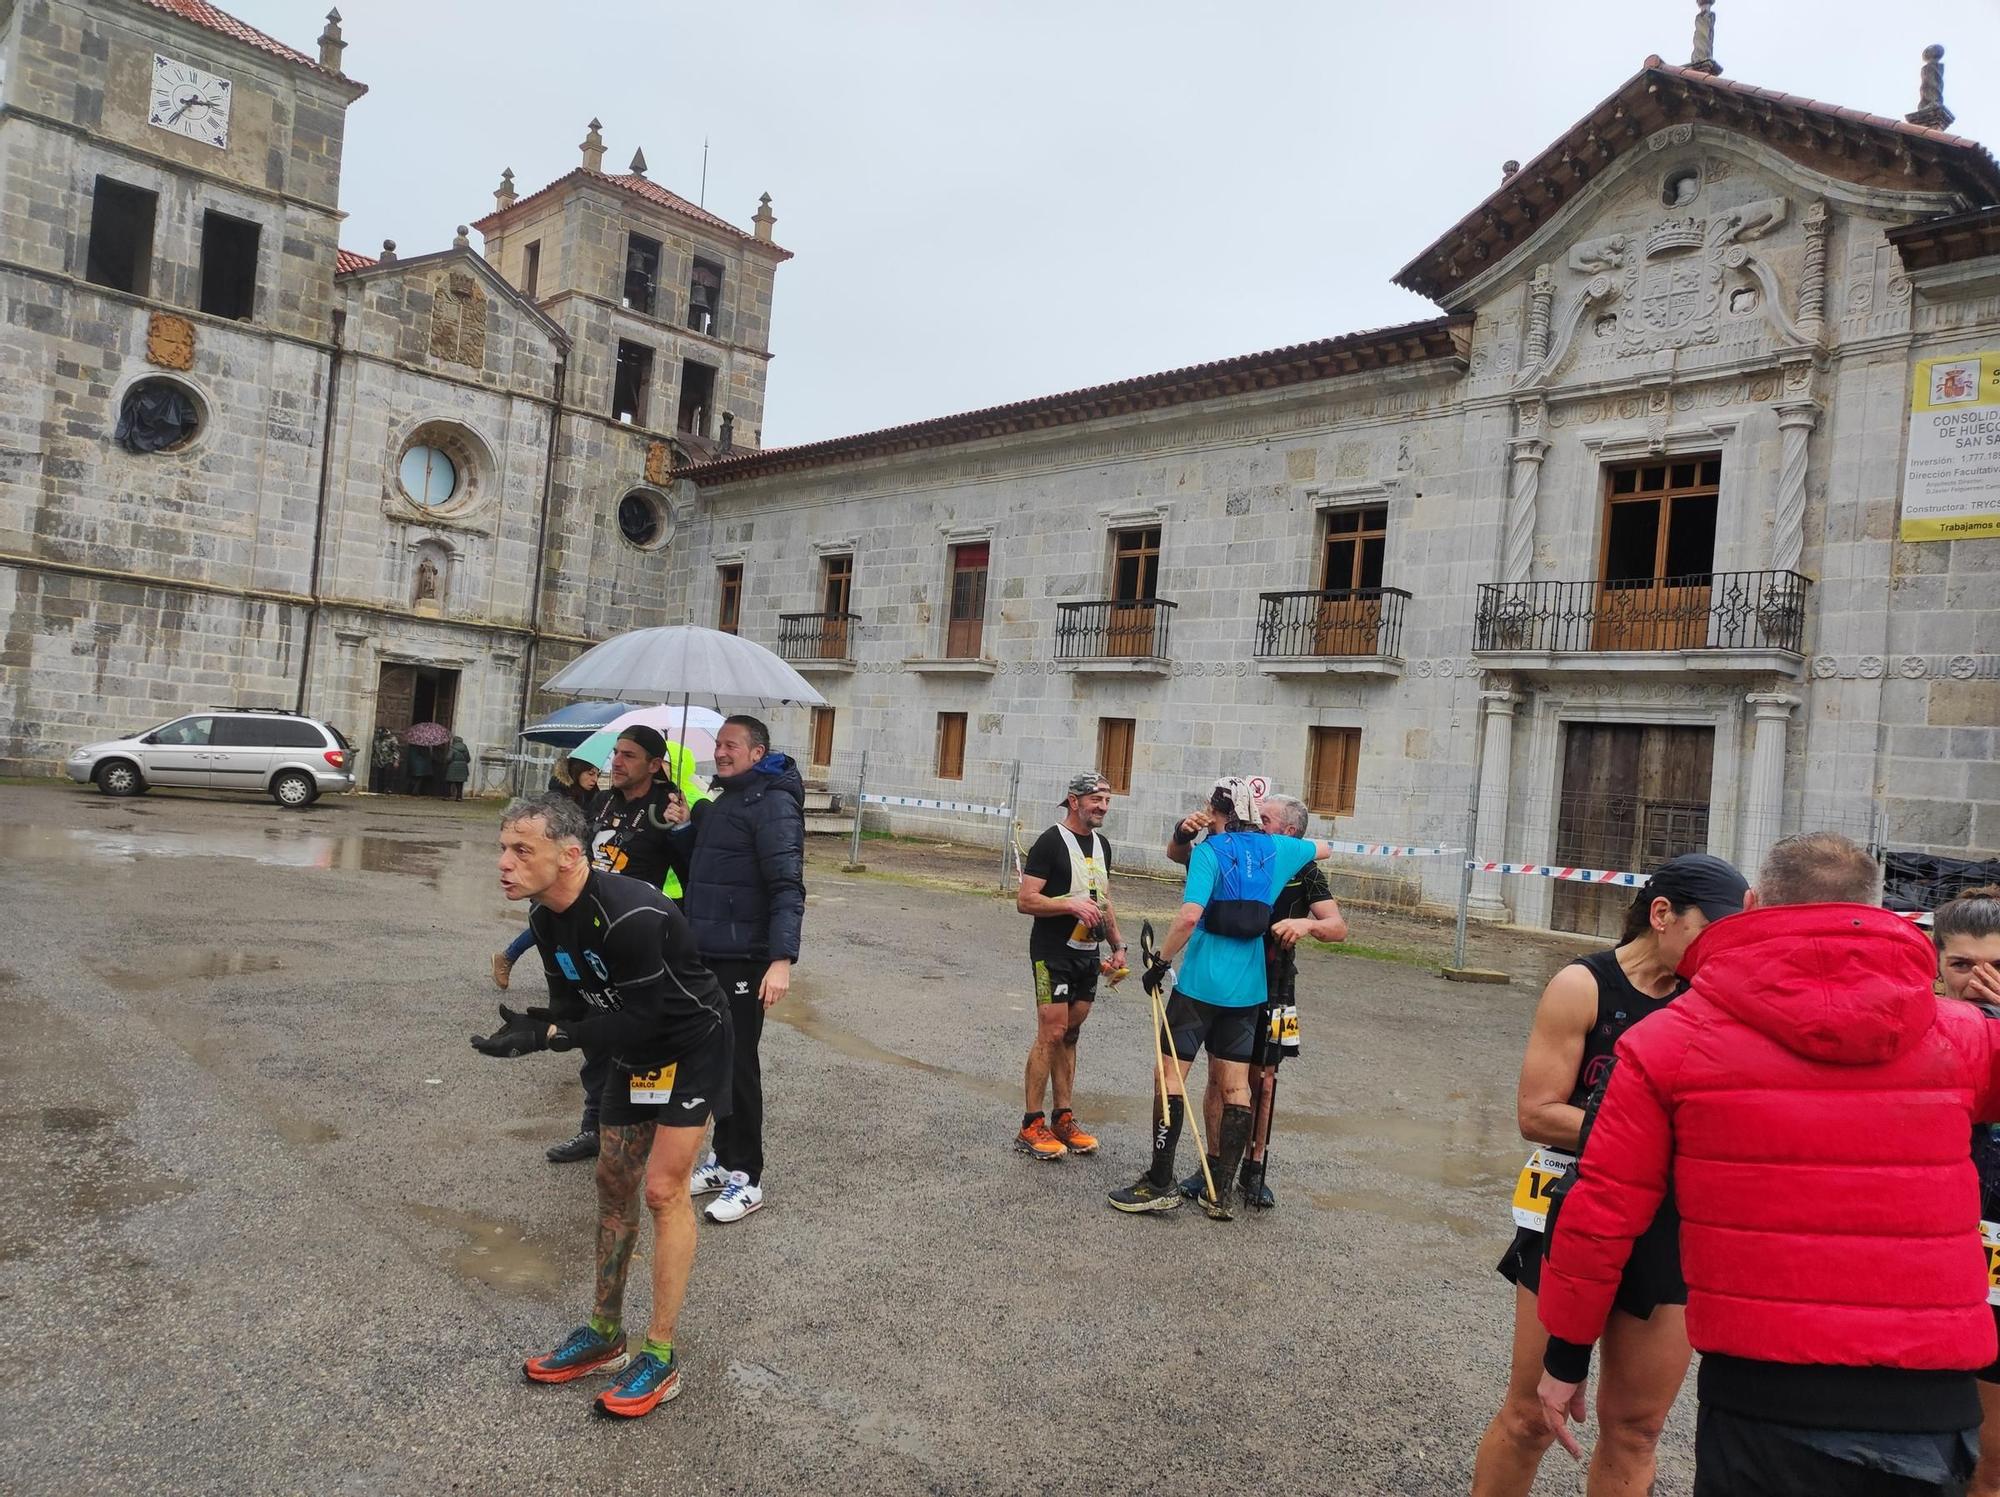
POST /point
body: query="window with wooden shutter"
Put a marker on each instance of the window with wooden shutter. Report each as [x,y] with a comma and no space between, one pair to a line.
[729,593]
[1114,752]
[966,623]
[1333,762]
[951,745]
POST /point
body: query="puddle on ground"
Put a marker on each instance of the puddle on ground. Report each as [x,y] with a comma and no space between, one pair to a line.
[67,1172]
[276,847]
[496,1253]
[164,969]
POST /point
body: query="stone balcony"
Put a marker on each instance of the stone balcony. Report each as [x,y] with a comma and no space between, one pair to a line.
[1115,637]
[1356,632]
[818,643]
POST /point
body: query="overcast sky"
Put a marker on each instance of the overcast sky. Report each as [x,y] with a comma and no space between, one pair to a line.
[991,201]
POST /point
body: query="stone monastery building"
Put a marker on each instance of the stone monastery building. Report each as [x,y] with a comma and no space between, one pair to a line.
[1613,558]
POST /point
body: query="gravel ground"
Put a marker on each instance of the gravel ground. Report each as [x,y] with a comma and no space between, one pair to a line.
[267,1223]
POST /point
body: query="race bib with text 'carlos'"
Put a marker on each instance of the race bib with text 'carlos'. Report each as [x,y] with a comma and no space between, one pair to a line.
[653,1088]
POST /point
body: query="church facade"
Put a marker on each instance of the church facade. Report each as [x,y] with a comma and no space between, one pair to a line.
[1609,559]
[242,466]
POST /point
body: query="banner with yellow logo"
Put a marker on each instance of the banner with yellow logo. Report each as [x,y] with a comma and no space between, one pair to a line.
[1951,476]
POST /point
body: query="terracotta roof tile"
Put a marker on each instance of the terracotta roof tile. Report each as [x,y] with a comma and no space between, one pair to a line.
[346,260]
[640,187]
[207,16]
[1442,338]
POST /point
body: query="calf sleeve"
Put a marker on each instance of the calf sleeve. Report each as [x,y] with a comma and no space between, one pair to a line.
[1235,1136]
[1166,1140]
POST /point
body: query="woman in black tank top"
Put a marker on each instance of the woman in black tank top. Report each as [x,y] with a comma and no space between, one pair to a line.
[1584,1010]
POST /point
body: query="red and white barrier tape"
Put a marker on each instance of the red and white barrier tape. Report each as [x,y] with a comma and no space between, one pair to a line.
[1616,876]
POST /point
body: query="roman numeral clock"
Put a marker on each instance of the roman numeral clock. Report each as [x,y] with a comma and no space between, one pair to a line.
[189,102]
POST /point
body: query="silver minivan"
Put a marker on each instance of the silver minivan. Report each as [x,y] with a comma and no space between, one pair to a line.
[292,759]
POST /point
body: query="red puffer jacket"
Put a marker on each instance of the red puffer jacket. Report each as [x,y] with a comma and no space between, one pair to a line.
[1813,1099]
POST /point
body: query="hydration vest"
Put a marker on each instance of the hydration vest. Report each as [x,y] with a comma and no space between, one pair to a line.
[1240,907]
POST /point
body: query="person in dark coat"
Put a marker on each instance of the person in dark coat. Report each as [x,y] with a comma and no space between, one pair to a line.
[745,900]
[457,768]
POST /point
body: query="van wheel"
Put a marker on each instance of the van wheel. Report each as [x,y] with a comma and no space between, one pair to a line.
[120,777]
[293,790]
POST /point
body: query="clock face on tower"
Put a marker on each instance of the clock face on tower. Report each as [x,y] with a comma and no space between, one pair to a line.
[190,102]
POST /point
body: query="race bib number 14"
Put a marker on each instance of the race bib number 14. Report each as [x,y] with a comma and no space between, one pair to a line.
[1537,1183]
[1989,1234]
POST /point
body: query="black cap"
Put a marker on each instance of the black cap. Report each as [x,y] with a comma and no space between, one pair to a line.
[649,739]
[1711,884]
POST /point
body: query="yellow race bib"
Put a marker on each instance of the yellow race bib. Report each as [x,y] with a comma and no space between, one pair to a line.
[1537,1183]
[1989,1234]
[1285,1026]
[652,1088]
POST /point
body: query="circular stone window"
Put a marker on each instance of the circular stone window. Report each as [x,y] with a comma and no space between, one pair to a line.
[439,466]
[157,415]
[1680,187]
[642,519]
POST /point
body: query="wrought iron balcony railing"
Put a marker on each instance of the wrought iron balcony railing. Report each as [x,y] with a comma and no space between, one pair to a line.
[1113,629]
[1710,611]
[1354,621]
[816,636]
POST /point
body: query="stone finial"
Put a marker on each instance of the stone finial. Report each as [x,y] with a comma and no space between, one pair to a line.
[330,43]
[638,166]
[728,430]
[593,148]
[462,239]
[1508,168]
[1930,111]
[764,219]
[1702,58]
[503,195]
[388,256]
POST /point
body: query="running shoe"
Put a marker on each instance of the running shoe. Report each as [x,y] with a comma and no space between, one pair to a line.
[647,1383]
[738,1199]
[1038,1140]
[1144,1195]
[1220,1208]
[708,1178]
[582,1353]
[503,970]
[1070,1136]
[583,1146]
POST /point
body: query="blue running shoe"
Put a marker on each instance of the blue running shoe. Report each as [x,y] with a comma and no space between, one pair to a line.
[647,1383]
[583,1352]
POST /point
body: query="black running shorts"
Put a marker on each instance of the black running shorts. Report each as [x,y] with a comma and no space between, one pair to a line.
[1229,1033]
[1066,979]
[692,1089]
[1652,1274]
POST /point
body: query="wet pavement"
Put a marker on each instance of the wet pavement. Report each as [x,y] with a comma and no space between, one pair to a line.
[268,1224]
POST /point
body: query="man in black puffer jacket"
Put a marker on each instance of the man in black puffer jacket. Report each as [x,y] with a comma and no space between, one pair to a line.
[745,902]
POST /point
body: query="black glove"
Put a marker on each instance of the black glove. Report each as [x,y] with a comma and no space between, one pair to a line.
[517,1035]
[545,1019]
[1156,974]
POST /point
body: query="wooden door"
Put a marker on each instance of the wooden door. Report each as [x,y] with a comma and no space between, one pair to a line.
[964,627]
[822,737]
[395,697]
[1659,555]
[1633,795]
[838,596]
[1135,582]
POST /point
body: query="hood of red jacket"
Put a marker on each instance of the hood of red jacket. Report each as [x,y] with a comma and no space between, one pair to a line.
[1846,983]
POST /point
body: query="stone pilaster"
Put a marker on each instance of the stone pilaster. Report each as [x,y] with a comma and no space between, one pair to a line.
[1496,775]
[1764,800]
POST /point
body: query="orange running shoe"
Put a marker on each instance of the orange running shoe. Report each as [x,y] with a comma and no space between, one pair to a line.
[1070,1136]
[583,1352]
[1036,1139]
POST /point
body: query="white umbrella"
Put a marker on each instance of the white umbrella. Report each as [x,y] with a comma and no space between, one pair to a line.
[693,728]
[684,662]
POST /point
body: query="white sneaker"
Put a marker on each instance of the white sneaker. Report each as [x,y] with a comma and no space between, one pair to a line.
[708,1178]
[738,1199]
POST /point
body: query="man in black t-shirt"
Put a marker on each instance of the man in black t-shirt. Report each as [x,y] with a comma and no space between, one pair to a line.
[627,988]
[1066,886]
[1304,909]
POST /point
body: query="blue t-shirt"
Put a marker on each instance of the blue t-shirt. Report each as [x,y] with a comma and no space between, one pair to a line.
[1218,969]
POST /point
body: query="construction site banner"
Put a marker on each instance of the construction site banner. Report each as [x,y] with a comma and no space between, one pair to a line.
[1951,477]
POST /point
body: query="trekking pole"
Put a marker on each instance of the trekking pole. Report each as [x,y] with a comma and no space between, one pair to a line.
[1163,1031]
